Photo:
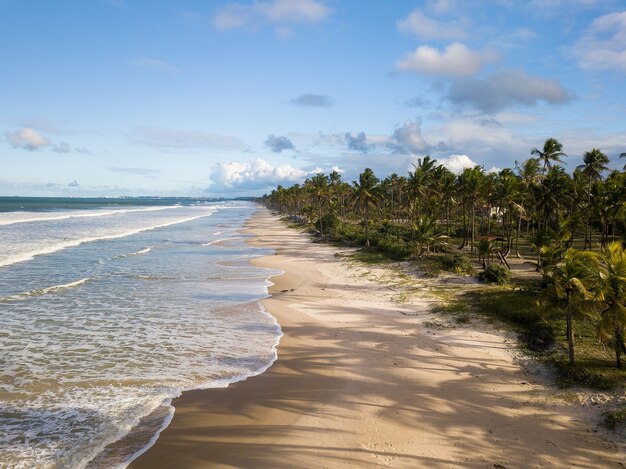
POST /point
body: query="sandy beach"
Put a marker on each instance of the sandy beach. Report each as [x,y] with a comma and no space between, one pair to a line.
[362,381]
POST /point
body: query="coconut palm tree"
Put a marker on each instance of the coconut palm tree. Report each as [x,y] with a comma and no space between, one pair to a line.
[610,295]
[320,191]
[426,235]
[552,151]
[567,289]
[594,164]
[365,197]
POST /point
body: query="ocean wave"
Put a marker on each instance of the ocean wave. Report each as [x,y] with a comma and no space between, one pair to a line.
[136,253]
[76,242]
[44,291]
[11,218]
[221,240]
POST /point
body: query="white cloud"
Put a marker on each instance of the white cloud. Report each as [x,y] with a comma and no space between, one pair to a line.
[408,138]
[154,64]
[455,60]
[175,139]
[422,26]
[313,100]
[457,163]
[255,174]
[281,12]
[62,147]
[603,45]
[26,139]
[507,88]
[441,6]
[29,139]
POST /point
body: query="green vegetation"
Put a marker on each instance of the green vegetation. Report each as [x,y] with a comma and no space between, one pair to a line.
[566,230]
[495,273]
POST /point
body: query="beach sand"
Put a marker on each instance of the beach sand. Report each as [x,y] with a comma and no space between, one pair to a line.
[362,381]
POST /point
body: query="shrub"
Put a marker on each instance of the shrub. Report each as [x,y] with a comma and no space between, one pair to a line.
[575,375]
[456,263]
[614,419]
[330,222]
[393,248]
[495,273]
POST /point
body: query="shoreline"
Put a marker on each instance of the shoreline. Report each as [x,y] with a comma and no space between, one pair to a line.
[357,383]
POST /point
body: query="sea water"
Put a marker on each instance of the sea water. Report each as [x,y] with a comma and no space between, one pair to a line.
[109,310]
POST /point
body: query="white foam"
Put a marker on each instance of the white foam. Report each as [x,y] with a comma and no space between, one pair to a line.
[76,242]
[221,240]
[44,291]
[11,218]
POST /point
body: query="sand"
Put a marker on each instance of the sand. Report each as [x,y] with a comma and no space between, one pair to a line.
[365,381]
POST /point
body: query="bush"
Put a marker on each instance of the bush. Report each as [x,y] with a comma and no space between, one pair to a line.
[575,375]
[330,222]
[393,248]
[495,273]
[614,419]
[456,263]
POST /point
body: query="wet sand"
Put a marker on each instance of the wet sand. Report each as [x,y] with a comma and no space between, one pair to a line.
[361,381]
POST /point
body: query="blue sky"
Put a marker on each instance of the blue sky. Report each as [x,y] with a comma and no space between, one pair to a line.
[204,98]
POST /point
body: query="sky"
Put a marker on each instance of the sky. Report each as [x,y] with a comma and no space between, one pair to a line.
[212,98]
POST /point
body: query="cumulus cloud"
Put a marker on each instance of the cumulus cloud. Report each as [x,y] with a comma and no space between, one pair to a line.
[457,163]
[357,143]
[174,139]
[408,138]
[455,60]
[280,12]
[603,45]
[154,64]
[255,174]
[30,139]
[278,144]
[313,100]
[504,89]
[26,139]
[422,26]
[74,183]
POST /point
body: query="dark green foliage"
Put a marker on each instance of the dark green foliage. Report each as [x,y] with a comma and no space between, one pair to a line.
[576,375]
[458,263]
[614,419]
[495,273]
[330,222]
[393,248]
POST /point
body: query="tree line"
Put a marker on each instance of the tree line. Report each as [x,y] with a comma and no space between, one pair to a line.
[573,223]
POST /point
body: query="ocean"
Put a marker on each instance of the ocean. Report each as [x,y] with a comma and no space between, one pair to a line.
[109,308]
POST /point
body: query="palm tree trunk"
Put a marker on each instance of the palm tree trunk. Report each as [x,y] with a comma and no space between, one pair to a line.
[570,332]
[517,233]
[367,227]
[619,344]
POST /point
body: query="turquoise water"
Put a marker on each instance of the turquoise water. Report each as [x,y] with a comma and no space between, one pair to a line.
[107,312]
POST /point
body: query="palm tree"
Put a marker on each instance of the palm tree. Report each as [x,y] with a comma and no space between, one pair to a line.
[552,151]
[594,164]
[567,289]
[486,249]
[610,294]
[623,155]
[426,235]
[366,197]
[321,194]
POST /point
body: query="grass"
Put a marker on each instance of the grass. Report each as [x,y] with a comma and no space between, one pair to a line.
[613,419]
[541,334]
